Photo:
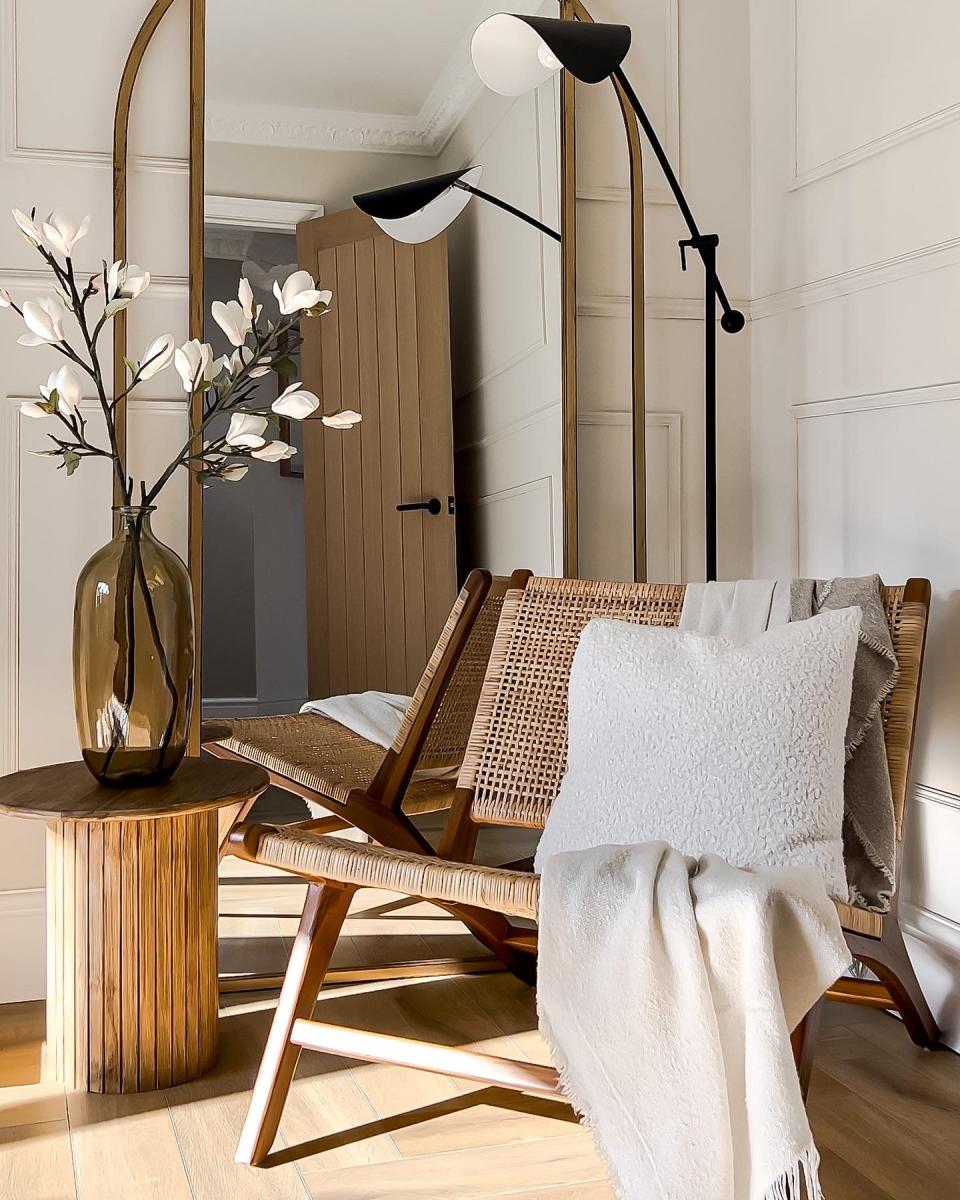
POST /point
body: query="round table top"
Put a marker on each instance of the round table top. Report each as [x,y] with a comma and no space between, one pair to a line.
[68,792]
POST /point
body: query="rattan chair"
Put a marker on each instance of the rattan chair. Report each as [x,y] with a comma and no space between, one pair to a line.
[511,772]
[360,784]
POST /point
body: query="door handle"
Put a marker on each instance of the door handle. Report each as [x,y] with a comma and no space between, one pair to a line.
[432,506]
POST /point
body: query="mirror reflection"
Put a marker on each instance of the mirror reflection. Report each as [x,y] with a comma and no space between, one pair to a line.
[334,571]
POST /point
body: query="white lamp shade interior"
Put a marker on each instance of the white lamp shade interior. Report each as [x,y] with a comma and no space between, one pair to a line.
[510,56]
[433,218]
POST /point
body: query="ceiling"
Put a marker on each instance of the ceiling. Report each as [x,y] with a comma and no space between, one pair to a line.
[354,74]
[368,56]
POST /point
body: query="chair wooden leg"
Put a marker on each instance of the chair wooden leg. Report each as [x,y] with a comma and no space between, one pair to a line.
[228,817]
[323,916]
[804,1041]
[887,957]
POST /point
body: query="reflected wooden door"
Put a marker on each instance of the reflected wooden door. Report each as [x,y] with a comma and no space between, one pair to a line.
[380,583]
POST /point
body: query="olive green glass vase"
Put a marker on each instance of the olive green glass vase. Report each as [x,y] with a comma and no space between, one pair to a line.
[133,649]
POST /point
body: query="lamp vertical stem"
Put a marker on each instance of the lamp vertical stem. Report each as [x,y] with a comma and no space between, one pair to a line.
[709,251]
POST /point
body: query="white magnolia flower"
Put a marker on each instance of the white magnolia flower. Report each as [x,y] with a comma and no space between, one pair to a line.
[157,356]
[195,364]
[28,227]
[243,357]
[30,408]
[5,298]
[345,419]
[274,451]
[68,384]
[300,292]
[62,234]
[44,319]
[232,320]
[295,401]
[125,282]
[234,473]
[245,295]
[246,431]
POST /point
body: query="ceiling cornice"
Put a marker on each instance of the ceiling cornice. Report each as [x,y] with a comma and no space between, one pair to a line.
[328,129]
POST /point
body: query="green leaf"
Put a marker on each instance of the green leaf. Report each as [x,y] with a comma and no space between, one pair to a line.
[130,365]
[71,460]
[286,368]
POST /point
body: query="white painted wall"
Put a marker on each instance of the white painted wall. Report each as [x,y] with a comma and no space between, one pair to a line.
[55,151]
[856,360]
[505,329]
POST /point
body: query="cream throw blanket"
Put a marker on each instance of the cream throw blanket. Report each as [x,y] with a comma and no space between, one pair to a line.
[375,716]
[667,988]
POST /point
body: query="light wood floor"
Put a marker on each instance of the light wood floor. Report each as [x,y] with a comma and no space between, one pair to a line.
[886,1116]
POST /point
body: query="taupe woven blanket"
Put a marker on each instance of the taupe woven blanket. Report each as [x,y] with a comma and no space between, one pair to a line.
[869,825]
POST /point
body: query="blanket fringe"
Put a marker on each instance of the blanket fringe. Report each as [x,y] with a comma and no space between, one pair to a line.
[787,1187]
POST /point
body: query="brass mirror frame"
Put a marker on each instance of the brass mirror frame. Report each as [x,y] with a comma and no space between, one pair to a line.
[569,10]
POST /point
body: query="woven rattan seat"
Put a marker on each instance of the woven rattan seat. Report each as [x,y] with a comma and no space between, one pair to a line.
[324,756]
[515,893]
[324,762]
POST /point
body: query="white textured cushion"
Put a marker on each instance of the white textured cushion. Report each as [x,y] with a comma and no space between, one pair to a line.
[711,745]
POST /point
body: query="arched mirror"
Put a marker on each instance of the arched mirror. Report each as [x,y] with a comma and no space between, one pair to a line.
[332,570]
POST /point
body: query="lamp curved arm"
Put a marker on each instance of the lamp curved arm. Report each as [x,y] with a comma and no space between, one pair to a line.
[467,187]
[733,320]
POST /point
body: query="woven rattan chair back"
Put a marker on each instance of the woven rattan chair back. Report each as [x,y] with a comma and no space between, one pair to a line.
[449,730]
[516,753]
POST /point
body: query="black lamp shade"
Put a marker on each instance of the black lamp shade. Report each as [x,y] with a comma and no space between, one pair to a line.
[417,211]
[514,54]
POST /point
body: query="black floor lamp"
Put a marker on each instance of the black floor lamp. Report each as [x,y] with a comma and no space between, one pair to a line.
[512,55]
[418,211]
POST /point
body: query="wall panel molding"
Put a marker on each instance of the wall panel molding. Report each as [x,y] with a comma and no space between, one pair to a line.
[10,592]
[39,279]
[12,147]
[878,145]
[547,412]
[672,422]
[835,406]
[924,794]
[22,937]
[671,106]
[939,931]
[656,308]
[544,115]
[921,261]
[542,485]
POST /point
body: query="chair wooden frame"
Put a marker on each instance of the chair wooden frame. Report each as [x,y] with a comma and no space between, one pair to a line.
[377,809]
[519,720]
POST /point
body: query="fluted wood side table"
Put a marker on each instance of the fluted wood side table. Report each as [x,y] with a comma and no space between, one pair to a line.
[131,919]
